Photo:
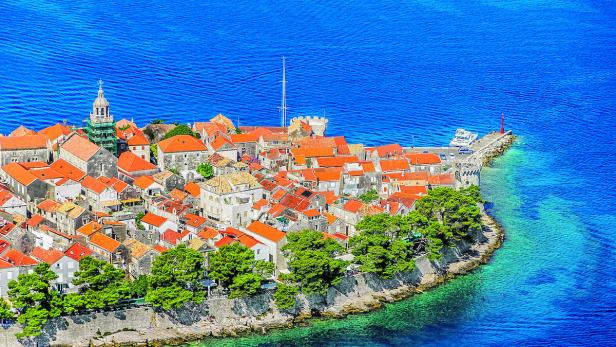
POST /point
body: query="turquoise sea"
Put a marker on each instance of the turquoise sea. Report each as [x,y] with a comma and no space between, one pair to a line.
[403,71]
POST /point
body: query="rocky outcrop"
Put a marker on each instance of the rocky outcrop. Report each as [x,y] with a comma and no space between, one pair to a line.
[224,317]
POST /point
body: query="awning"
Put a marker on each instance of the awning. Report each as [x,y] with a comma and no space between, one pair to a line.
[112,203]
[129,201]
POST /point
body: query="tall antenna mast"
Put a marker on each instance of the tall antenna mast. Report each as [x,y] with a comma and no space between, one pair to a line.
[283,105]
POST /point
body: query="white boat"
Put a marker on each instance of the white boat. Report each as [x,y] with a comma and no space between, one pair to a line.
[463,138]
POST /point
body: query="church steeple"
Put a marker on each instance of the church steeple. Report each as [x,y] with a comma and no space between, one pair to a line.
[100,107]
[100,128]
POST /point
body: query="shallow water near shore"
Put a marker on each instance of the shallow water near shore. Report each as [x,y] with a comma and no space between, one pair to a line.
[410,72]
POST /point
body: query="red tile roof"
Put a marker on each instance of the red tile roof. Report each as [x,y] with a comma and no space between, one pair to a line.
[78,251]
[336,161]
[394,165]
[48,205]
[80,147]
[19,174]
[17,258]
[266,231]
[193,189]
[143,182]
[68,170]
[55,131]
[353,206]
[441,180]
[423,158]
[93,184]
[248,241]
[35,220]
[243,138]
[312,152]
[49,256]
[223,242]
[207,233]
[414,190]
[138,140]
[388,150]
[194,221]
[172,236]
[153,219]
[21,131]
[220,142]
[259,204]
[311,213]
[181,143]
[22,142]
[129,162]
[90,228]
[160,248]
[105,242]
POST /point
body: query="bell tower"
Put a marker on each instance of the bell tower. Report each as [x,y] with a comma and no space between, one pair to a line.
[100,127]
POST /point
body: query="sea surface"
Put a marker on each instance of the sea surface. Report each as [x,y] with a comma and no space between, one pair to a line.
[391,71]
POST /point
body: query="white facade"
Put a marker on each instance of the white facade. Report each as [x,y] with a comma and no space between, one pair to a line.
[15,205]
[234,208]
[68,191]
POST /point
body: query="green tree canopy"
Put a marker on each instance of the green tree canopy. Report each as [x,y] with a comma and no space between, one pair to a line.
[285,296]
[176,278]
[103,285]
[181,129]
[206,170]
[312,261]
[5,310]
[32,294]
[369,196]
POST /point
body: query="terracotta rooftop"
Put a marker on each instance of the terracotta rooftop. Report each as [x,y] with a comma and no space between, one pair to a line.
[68,170]
[137,249]
[49,256]
[138,140]
[266,231]
[153,219]
[77,251]
[143,182]
[226,183]
[23,142]
[105,242]
[22,131]
[181,143]
[18,258]
[90,228]
[19,174]
[193,189]
[80,147]
[55,131]
[130,162]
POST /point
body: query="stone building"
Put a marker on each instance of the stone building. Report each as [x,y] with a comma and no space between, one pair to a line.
[22,149]
[88,157]
[181,153]
[228,199]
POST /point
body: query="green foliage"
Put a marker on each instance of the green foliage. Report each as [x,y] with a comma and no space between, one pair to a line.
[157,121]
[238,131]
[174,170]
[181,129]
[154,150]
[312,263]
[285,296]
[206,170]
[139,286]
[230,261]
[235,267]
[382,251]
[32,294]
[369,196]
[265,269]
[245,285]
[102,284]
[138,219]
[5,310]
[72,302]
[175,278]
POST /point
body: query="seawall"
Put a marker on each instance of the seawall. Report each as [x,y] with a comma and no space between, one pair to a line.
[225,317]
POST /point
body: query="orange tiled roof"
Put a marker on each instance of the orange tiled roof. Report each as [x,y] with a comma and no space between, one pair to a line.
[35,220]
[105,242]
[18,173]
[143,182]
[312,152]
[311,213]
[55,131]
[423,158]
[353,206]
[220,142]
[387,150]
[248,241]
[80,147]
[46,174]
[138,140]
[90,228]
[22,131]
[443,180]
[68,170]
[266,231]
[18,258]
[193,189]
[93,184]
[207,233]
[48,205]
[223,242]
[160,248]
[243,138]
[394,165]
[49,256]
[193,220]
[414,189]
[77,251]
[181,143]
[259,204]
[129,162]
[153,219]
[336,161]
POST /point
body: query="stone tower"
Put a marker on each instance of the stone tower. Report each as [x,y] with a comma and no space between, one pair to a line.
[100,127]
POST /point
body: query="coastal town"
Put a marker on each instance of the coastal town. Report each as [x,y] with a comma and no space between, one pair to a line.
[116,194]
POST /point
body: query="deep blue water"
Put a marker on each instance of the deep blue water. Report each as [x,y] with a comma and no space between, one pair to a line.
[410,72]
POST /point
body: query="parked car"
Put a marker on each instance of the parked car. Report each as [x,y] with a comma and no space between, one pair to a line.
[465,150]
